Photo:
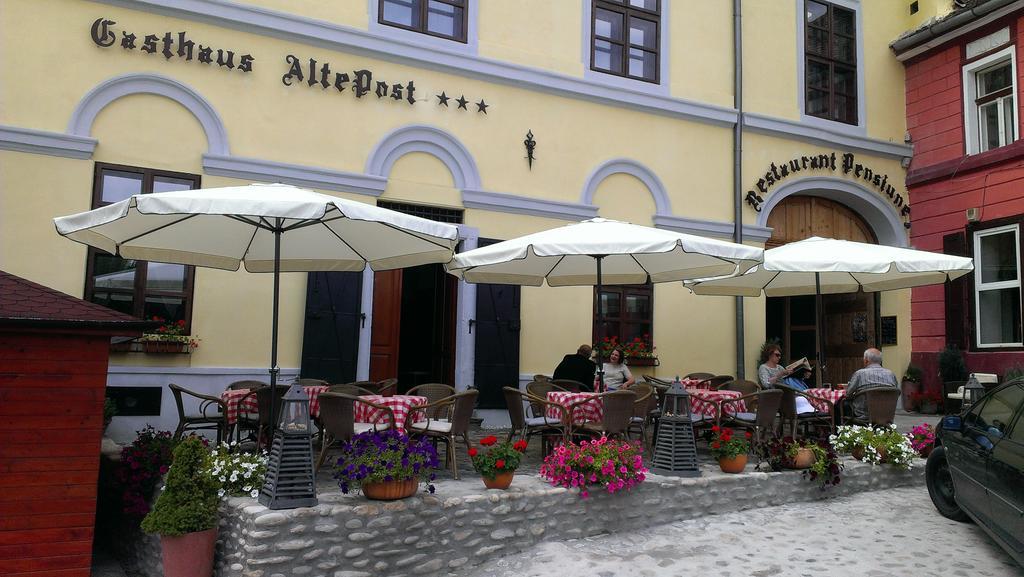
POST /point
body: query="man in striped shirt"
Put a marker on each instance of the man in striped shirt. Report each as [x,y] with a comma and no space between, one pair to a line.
[871,376]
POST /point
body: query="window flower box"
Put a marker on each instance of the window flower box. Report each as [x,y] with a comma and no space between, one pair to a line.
[166,347]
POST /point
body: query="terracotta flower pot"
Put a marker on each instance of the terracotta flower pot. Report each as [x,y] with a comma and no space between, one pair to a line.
[189,555]
[500,481]
[858,453]
[926,451]
[163,347]
[391,490]
[733,464]
[803,459]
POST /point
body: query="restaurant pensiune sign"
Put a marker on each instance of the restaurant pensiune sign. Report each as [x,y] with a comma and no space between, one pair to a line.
[847,165]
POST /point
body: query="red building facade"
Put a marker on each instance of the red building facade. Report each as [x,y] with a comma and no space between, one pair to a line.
[966,183]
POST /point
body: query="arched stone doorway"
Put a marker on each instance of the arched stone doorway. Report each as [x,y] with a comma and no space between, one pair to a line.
[849,319]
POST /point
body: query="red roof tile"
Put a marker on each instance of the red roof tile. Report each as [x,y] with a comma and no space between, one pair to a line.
[24,302]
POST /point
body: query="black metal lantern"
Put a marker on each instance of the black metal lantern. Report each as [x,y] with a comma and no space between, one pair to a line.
[675,451]
[973,391]
[291,478]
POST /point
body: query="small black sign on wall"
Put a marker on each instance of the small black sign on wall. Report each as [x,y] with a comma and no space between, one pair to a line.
[888,331]
[136,401]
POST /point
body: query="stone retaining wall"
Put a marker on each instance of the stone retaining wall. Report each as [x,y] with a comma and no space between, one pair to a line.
[463,524]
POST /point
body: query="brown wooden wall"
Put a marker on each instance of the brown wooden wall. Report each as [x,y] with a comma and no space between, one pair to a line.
[51,423]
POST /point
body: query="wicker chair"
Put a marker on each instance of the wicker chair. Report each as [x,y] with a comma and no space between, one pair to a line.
[618,410]
[699,376]
[350,389]
[457,410]
[742,386]
[524,427]
[243,421]
[715,381]
[646,401]
[540,390]
[237,385]
[387,387]
[760,420]
[540,377]
[881,405]
[337,414]
[572,386]
[788,414]
[212,413]
[310,382]
[433,392]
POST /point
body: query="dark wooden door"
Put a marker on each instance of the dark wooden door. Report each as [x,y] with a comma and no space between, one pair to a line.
[496,326]
[330,336]
[384,336]
[849,321]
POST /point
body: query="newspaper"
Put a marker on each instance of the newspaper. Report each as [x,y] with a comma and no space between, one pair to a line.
[801,363]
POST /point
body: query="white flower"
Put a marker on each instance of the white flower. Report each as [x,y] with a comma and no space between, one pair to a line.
[254,493]
[220,493]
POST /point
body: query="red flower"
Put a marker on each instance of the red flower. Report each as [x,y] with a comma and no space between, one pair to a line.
[715,445]
[499,464]
[472,451]
[715,428]
[520,446]
[489,440]
[748,434]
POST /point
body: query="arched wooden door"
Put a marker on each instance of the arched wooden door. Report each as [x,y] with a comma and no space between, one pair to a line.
[850,320]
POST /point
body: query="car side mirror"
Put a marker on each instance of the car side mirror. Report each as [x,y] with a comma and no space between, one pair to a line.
[953,423]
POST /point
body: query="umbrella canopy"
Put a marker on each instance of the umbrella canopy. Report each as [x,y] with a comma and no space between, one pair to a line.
[838,266]
[601,251]
[620,252]
[268,227]
[828,266]
[225,227]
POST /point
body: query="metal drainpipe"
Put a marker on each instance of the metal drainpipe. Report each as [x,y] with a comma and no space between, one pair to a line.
[737,168]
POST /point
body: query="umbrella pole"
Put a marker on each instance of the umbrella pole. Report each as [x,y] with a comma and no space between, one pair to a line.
[273,330]
[600,328]
[818,337]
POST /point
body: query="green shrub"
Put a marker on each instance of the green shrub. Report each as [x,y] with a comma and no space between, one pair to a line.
[951,365]
[1015,371]
[109,411]
[189,501]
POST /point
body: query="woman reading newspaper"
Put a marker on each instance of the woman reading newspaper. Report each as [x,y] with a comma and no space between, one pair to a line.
[771,373]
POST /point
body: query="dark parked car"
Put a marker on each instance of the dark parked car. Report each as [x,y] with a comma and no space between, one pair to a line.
[976,471]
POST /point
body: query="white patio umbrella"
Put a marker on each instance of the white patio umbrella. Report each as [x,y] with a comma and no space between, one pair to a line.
[268,227]
[601,251]
[828,266]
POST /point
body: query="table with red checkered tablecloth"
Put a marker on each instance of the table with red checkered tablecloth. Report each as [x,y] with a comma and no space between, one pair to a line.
[401,405]
[706,402]
[241,402]
[592,411]
[816,395]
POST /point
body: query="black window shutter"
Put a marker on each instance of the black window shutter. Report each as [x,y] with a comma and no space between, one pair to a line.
[957,310]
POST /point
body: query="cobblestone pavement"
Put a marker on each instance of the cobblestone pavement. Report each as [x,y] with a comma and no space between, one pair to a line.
[895,533]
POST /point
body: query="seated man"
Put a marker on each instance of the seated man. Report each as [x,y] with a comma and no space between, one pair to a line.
[871,376]
[577,367]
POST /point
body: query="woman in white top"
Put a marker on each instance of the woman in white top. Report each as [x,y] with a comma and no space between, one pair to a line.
[616,373]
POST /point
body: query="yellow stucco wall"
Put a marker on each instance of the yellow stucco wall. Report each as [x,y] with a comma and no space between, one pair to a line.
[320,128]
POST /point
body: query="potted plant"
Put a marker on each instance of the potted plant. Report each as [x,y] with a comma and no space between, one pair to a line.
[185,513]
[875,445]
[169,337]
[922,439]
[911,386]
[238,473]
[109,411]
[497,464]
[729,449]
[818,458]
[615,465]
[927,402]
[386,465]
[143,463]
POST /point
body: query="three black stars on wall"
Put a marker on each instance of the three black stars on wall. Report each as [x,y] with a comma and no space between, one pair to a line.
[442,100]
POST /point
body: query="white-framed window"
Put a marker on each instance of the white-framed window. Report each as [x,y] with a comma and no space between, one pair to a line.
[830,73]
[990,101]
[997,301]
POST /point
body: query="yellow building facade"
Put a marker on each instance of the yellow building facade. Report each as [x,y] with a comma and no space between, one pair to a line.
[630,109]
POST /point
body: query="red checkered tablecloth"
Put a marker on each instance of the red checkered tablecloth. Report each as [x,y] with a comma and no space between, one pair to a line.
[705,402]
[240,402]
[834,395]
[695,383]
[592,411]
[400,404]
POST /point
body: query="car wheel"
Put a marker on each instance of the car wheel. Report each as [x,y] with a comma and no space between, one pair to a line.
[940,486]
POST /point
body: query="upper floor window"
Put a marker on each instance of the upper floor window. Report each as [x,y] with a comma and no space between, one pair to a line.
[625,38]
[441,18]
[139,288]
[997,287]
[990,97]
[830,68]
